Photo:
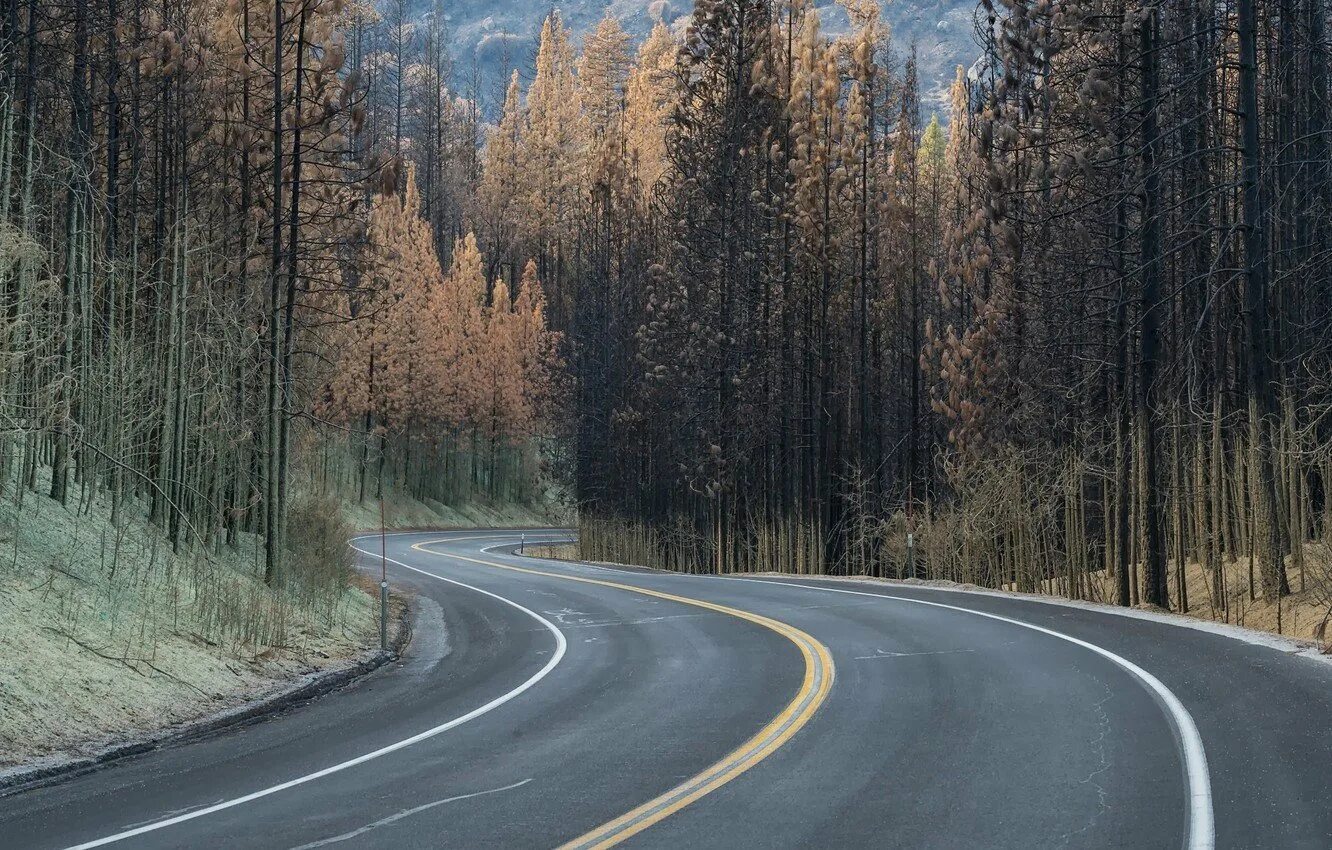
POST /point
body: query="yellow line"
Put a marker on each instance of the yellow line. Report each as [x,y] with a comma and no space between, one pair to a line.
[814,688]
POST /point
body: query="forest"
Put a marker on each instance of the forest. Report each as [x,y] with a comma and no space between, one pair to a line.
[224,292]
[1062,330]
[1067,336]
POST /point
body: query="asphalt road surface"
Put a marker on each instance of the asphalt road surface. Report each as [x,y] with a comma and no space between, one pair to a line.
[544,703]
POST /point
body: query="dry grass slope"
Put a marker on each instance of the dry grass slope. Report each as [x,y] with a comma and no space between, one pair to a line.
[107,635]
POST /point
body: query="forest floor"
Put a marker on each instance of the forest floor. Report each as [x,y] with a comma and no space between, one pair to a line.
[556,552]
[108,638]
[1302,614]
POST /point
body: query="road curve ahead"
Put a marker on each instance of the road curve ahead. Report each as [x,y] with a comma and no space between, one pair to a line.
[550,704]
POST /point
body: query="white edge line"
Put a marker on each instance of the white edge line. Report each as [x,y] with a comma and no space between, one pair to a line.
[1285,644]
[1302,648]
[1201,828]
[560,646]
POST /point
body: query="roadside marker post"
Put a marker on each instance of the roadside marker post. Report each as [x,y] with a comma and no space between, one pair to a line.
[911,533]
[383,579]
[383,615]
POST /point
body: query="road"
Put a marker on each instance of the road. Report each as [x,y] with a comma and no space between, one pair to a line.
[545,703]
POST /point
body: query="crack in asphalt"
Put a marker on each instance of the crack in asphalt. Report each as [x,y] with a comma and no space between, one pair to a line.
[1098,746]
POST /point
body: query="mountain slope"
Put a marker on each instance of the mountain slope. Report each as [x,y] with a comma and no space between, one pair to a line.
[501,34]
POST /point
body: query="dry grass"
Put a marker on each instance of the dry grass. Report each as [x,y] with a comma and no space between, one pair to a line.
[556,552]
[1302,614]
[106,634]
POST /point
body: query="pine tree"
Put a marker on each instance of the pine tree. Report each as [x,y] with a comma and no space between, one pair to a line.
[603,73]
[650,97]
[553,149]
[505,182]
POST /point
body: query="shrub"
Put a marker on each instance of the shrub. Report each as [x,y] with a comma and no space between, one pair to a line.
[318,566]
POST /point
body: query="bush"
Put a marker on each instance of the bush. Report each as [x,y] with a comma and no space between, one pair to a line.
[1318,573]
[318,563]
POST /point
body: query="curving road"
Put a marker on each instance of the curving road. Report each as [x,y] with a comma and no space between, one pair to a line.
[544,703]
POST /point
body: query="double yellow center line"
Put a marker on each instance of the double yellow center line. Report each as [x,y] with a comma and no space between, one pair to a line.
[818,679]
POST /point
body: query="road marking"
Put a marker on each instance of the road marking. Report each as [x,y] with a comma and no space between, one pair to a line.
[171,812]
[405,813]
[818,679]
[883,653]
[560,646]
[1200,827]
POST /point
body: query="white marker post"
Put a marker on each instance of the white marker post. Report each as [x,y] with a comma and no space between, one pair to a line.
[911,536]
[383,579]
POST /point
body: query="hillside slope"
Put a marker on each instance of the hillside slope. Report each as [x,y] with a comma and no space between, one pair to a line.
[501,34]
[107,636]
